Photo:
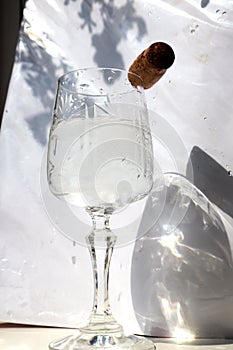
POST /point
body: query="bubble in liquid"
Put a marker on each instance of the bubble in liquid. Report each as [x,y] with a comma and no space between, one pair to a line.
[221,15]
[194,29]
[230,173]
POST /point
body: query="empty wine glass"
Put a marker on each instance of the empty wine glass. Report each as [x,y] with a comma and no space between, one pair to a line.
[100,158]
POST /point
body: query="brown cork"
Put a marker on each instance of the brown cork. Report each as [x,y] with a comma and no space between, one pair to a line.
[151,64]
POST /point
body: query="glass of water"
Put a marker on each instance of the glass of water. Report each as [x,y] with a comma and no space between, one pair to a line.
[100,158]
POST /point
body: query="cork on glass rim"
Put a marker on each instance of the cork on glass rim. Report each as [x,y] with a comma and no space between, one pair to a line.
[151,64]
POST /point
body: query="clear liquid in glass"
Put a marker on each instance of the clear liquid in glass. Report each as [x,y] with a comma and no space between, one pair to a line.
[100,162]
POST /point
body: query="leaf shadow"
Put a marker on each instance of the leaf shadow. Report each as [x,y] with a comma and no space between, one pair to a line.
[117,22]
[40,73]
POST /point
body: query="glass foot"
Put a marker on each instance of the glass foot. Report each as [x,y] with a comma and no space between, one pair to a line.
[89,340]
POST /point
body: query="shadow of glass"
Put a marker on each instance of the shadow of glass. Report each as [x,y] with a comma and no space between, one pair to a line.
[182,268]
[212,179]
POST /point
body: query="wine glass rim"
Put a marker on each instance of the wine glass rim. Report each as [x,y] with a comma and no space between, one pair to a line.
[127,72]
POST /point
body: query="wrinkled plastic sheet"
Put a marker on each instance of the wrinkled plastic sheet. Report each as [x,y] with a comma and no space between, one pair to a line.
[176,279]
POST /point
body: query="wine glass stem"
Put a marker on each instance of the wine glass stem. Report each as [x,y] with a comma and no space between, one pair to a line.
[101,243]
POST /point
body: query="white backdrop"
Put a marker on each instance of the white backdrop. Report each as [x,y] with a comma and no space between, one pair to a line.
[46,278]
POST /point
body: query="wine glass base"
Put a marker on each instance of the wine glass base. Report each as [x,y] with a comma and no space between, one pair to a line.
[82,341]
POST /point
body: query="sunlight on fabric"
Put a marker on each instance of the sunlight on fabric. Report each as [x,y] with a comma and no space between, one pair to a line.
[53,3]
[183,334]
[173,313]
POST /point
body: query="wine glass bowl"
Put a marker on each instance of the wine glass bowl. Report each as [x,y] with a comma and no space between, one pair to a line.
[100,157]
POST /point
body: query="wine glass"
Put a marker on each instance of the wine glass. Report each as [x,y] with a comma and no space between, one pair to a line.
[100,158]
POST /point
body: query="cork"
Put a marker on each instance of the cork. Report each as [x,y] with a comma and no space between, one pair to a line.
[151,64]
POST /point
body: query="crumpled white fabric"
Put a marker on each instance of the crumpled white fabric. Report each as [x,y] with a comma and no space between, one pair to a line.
[46,278]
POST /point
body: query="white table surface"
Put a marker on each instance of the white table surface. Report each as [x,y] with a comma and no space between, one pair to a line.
[14,337]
